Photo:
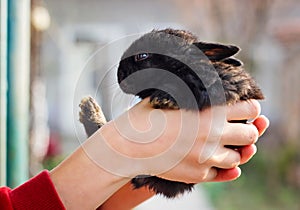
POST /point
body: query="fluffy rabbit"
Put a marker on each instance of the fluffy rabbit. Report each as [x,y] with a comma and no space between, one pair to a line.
[151,67]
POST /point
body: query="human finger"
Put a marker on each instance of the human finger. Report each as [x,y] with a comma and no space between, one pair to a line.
[211,175]
[190,173]
[225,158]
[247,152]
[243,110]
[224,175]
[261,123]
[239,134]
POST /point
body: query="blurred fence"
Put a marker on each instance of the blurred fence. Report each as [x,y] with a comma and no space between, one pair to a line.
[15,54]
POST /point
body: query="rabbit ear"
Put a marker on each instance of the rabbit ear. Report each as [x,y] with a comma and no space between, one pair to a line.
[216,52]
[233,61]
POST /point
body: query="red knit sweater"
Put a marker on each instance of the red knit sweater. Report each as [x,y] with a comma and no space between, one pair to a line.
[36,194]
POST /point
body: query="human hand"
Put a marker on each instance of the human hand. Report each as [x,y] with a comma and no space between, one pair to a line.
[246,153]
[172,144]
[140,140]
[222,165]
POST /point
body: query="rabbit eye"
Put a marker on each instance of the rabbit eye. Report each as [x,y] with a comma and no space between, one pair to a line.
[141,56]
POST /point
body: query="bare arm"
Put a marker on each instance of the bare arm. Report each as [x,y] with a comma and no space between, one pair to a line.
[127,198]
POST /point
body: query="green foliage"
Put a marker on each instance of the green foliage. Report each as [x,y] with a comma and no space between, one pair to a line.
[266,183]
[52,161]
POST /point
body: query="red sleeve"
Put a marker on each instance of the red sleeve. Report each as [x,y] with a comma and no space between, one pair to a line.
[5,203]
[36,194]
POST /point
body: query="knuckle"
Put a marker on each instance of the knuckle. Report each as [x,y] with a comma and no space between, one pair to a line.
[236,160]
[255,108]
[253,135]
[202,176]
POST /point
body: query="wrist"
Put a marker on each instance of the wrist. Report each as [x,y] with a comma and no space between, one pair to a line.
[118,155]
[80,175]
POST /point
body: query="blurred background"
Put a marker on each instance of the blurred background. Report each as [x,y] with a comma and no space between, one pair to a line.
[55,52]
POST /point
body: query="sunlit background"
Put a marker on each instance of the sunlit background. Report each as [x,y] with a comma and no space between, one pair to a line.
[75,47]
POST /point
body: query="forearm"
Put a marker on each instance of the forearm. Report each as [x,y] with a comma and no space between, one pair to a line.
[81,183]
[127,198]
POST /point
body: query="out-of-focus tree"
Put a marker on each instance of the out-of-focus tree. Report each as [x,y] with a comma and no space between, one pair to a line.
[239,21]
[39,131]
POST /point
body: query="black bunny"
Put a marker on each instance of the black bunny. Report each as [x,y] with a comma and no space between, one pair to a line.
[154,65]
